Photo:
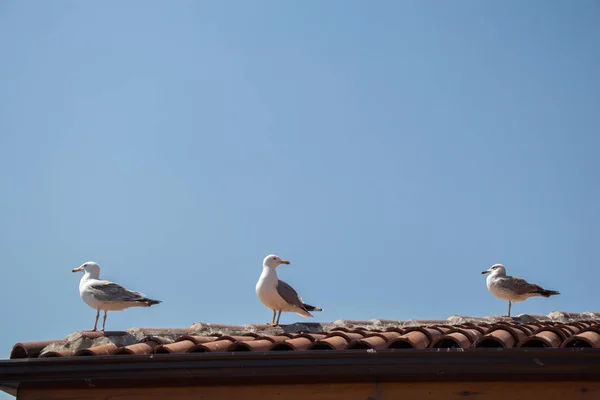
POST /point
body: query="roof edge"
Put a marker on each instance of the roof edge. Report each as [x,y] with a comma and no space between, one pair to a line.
[208,369]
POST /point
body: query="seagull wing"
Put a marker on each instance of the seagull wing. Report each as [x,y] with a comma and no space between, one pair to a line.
[288,294]
[519,285]
[110,291]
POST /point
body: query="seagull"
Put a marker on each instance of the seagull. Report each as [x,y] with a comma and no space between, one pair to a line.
[278,295]
[512,289]
[105,295]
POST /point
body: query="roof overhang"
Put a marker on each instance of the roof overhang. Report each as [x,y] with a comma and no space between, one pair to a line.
[198,369]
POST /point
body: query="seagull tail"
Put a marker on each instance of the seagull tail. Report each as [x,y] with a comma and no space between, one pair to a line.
[150,302]
[311,308]
[548,293]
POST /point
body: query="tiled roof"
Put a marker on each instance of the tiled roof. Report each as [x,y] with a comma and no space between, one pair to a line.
[558,329]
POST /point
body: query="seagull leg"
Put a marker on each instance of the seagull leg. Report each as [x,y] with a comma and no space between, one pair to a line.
[104,321]
[96,322]
[273,320]
[279,316]
[509,305]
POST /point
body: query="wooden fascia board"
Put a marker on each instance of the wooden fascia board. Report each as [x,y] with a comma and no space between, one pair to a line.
[431,365]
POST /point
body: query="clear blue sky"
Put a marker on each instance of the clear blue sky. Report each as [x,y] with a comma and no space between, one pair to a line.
[391,150]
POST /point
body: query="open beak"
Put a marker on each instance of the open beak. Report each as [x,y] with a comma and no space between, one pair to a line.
[77,269]
[285,262]
[487,271]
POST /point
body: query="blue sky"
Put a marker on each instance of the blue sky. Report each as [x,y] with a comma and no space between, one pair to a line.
[391,150]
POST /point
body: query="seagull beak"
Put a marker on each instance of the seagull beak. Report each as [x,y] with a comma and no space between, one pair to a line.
[285,262]
[487,271]
[77,269]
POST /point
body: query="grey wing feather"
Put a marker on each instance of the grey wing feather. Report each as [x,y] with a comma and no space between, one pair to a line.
[289,294]
[519,285]
[110,291]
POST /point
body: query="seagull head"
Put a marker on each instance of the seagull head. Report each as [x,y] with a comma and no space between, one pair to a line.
[89,267]
[496,269]
[273,261]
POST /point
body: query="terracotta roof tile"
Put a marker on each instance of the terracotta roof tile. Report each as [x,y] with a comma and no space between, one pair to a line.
[500,338]
[57,353]
[594,328]
[371,342]
[277,338]
[255,345]
[156,340]
[415,338]
[440,328]
[558,329]
[584,339]
[432,332]
[103,350]
[300,343]
[387,336]
[455,339]
[31,349]
[330,343]
[348,336]
[217,345]
[181,346]
[244,338]
[543,338]
[312,336]
[197,339]
[138,348]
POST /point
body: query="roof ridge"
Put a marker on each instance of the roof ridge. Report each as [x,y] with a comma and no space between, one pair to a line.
[561,327]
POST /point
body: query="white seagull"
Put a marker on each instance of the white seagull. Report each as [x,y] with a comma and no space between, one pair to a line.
[278,295]
[105,295]
[511,288]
